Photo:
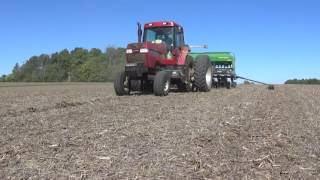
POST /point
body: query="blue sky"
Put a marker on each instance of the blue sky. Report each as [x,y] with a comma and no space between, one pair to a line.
[273,40]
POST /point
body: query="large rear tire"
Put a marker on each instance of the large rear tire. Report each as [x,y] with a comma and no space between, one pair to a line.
[161,84]
[203,74]
[121,84]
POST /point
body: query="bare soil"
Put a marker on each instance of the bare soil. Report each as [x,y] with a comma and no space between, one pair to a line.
[84,131]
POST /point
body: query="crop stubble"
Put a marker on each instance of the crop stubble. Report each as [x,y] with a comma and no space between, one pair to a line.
[85,131]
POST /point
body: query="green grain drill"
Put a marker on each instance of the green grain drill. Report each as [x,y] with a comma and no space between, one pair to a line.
[223,68]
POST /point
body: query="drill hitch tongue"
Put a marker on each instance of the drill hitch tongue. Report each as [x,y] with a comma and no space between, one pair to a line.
[270,86]
[199,46]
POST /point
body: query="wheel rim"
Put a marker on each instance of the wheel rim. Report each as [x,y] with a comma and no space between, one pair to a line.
[209,77]
[166,86]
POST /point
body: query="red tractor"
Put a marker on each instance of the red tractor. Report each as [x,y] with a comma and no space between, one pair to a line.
[160,60]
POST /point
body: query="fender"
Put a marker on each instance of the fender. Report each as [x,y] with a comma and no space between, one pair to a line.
[183,55]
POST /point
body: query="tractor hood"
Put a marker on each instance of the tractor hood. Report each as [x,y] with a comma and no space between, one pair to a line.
[147,53]
[147,47]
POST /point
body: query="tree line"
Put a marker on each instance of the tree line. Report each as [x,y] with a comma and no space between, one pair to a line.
[76,65]
[81,65]
[303,81]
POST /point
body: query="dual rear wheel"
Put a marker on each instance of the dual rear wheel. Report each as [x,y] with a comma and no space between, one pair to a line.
[203,74]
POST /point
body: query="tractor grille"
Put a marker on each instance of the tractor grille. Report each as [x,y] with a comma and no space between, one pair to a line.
[136,58]
[136,71]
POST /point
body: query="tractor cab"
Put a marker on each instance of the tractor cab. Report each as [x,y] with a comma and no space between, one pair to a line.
[168,33]
[159,44]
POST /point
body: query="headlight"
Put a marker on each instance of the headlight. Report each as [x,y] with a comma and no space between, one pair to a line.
[144,50]
[131,64]
[129,51]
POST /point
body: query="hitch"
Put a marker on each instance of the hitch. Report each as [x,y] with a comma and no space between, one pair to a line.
[199,46]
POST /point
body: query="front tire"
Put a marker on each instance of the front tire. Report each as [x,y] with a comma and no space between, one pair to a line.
[203,74]
[121,84]
[161,84]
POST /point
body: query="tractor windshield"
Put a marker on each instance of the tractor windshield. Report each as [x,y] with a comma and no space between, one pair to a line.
[159,35]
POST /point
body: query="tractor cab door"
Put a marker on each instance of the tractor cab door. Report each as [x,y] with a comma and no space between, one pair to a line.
[179,38]
[180,49]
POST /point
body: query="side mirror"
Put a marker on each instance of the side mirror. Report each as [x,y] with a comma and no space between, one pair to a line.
[139,32]
[171,47]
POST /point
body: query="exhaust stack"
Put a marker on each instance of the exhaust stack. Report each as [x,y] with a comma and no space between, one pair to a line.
[139,33]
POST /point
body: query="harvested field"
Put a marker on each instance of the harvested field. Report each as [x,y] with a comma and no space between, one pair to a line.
[79,131]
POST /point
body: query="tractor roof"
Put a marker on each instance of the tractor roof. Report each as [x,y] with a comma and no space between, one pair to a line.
[161,24]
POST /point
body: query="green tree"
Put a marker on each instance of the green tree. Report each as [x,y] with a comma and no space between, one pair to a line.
[76,65]
[303,81]
[3,78]
[95,52]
